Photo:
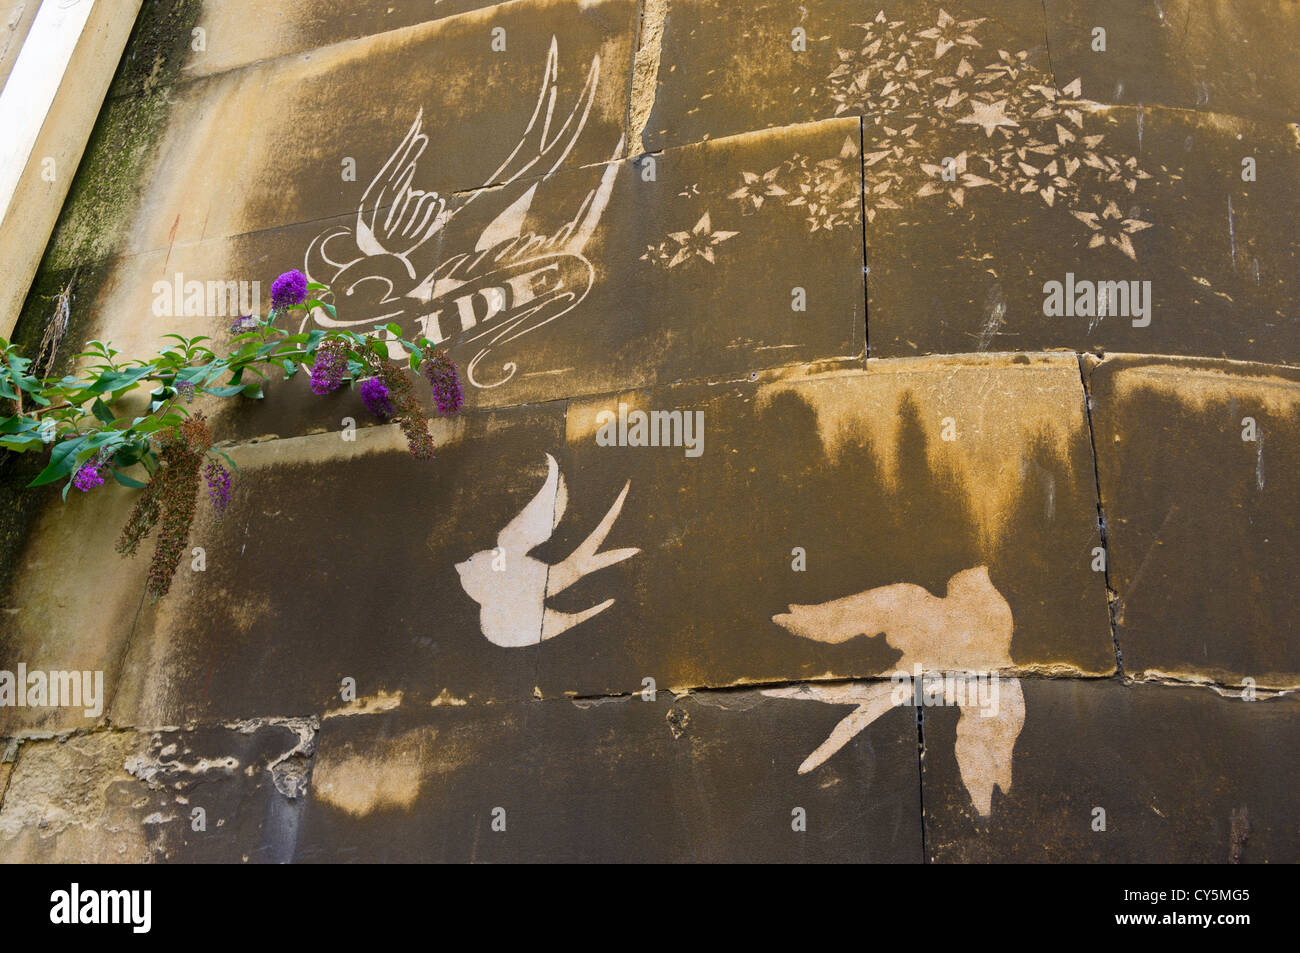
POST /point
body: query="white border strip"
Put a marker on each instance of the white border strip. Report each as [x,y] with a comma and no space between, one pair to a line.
[29,93]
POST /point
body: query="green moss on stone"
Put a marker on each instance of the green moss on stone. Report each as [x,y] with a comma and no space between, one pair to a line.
[99,208]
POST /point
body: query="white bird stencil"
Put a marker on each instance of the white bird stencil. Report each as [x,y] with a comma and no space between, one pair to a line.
[512,587]
[384,260]
[966,630]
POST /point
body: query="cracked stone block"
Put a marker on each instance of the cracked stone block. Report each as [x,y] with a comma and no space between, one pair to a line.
[1198,465]
[827,528]
[1091,227]
[705,262]
[337,560]
[1183,775]
[291,140]
[70,606]
[304,25]
[727,67]
[1187,54]
[211,794]
[715,261]
[710,777]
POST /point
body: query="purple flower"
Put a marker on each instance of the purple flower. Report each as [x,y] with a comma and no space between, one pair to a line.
[374,394]
[88,477]
[244,323]
[289,288]
[327,372]
[185,390]
[441,373]
[218,479]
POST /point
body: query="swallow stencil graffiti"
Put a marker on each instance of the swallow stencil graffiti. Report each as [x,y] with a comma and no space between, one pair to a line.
[968,630]
[493,280]
[511,587]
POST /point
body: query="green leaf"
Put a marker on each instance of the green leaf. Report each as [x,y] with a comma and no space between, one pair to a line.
[234,466]
[100,410]
[153,424]
[125,480]
[253,391]
[22,443]
[128,456]
[17,424]
[63,461]
[120,380]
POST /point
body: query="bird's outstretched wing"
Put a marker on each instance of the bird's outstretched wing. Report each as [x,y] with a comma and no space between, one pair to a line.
[986,738]
[872,698]
[539,152]
[585,559]
[536,521]
[395,217]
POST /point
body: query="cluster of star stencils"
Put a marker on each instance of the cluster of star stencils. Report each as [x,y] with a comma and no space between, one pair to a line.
[939,126]
[923,96]
[824,192]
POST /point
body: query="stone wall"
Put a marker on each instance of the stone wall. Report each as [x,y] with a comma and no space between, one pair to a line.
[844,267]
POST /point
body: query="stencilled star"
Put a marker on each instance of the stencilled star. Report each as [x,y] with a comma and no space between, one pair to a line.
[1006,70]
[1047,181]
[1127,172]
[656,254]
[901,147]
[758,187]
[962,180]
[876,197]
[1112,228]
[989,116]
[698,242]
[1075,150]
[1071,102]
[1021,143]
[950,32]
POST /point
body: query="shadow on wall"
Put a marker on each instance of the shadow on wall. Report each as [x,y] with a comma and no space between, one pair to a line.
[917,523]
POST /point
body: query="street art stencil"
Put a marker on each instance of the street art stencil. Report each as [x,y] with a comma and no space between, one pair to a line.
[487,280]
[822,190]
[956,644]
[967,630]
[512,587]
[948,119]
